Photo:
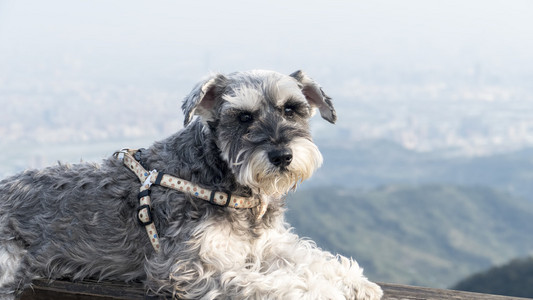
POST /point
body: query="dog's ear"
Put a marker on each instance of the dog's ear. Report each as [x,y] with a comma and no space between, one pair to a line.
[316,96]
[203,97]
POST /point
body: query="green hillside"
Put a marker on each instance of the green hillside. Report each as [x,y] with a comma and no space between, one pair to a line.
[512,279]
[373,163]
[431,235]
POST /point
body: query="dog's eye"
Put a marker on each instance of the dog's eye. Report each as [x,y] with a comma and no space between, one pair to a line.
[289,111]
[245,117]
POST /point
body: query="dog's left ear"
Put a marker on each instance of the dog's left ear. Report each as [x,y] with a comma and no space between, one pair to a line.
[203,97]
[316,96]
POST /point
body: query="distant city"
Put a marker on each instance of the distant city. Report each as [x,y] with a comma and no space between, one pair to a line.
[466,115]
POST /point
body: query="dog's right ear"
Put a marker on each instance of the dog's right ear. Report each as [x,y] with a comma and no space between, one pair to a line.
[203,97]
[316,96]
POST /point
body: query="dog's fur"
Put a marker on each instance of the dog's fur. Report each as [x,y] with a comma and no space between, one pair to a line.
[251,138]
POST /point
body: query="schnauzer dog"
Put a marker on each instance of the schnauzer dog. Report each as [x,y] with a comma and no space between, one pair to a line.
[208,221]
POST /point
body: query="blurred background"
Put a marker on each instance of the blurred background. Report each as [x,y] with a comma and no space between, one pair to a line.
[428,173]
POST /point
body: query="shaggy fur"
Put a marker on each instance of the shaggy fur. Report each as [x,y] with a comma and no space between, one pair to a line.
[252,139]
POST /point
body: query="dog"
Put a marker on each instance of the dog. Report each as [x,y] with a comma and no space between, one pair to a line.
[199,215]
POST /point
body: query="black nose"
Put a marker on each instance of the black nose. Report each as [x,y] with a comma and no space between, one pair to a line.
[280,157]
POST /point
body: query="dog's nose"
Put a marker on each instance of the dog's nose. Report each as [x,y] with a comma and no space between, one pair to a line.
[280,157]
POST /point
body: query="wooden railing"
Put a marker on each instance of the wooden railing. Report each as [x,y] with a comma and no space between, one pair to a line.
[405,292]
[64,290]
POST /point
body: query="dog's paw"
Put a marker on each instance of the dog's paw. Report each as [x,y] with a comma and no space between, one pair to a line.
[369,291]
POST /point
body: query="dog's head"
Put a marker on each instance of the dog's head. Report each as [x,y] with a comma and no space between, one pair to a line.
[260,123]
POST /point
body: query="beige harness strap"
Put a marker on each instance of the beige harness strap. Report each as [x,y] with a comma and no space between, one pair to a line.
[148,178]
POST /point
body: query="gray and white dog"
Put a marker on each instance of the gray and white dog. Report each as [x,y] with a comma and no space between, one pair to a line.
[251,138]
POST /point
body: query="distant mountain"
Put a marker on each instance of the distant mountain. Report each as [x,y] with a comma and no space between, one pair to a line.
[368,164]
[512,279]
[431,235]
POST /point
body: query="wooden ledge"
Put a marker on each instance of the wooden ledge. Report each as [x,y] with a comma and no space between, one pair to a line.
[406,292]
[83,290]
[86,290]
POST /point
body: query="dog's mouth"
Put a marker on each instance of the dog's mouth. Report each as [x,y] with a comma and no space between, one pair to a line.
[283,170]
[279,182]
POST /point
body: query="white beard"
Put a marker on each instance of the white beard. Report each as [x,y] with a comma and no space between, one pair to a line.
[261,176]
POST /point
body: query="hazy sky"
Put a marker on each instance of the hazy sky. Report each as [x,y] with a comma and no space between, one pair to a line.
[138,40]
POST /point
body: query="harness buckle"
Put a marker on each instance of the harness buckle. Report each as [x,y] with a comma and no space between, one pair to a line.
[212,199]
[144,215]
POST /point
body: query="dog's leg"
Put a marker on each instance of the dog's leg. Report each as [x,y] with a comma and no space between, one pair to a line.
[213,250]
[318,273]
[10,263]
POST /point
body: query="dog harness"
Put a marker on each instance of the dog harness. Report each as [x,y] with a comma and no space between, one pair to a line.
[148,178]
